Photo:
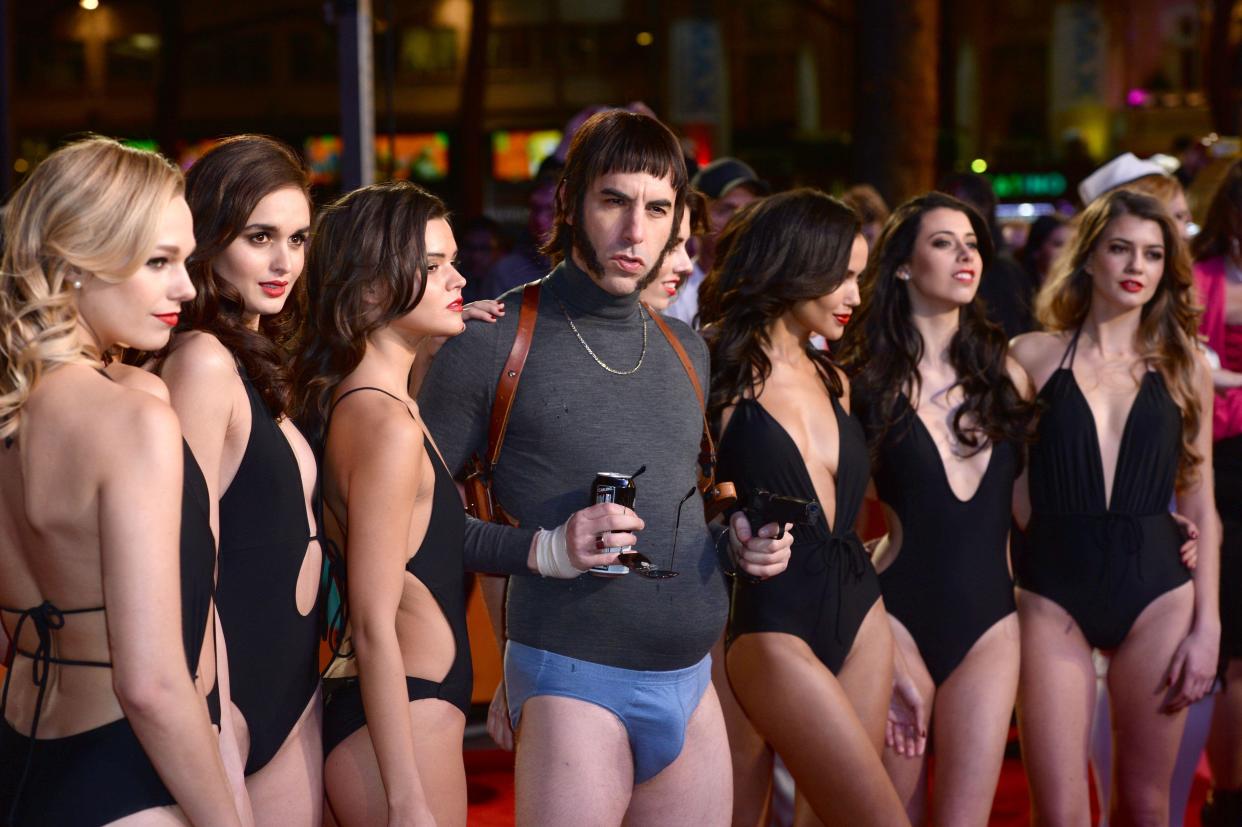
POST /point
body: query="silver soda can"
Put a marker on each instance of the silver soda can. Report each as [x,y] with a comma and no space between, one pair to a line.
[609,487]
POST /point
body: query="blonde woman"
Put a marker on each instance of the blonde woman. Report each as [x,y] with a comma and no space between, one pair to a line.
[101,717]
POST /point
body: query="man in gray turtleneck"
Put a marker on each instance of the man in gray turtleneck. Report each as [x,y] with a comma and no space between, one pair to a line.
[609,679]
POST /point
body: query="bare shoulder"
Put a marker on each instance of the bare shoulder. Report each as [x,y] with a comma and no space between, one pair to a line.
[138,379]
[1039,353]
[1030,348]
[374,427]
[199,357]
[1020,378]
[140,428]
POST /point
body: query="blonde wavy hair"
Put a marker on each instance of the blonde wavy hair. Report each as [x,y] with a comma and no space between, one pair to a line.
[1169,322]
[92,208]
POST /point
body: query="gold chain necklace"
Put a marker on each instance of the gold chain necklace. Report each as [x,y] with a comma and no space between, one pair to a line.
[598,360]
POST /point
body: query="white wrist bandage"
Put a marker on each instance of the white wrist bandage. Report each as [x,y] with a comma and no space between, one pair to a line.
[552,554]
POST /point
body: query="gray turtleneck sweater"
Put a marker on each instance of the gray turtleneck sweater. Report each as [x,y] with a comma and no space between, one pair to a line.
[570,420]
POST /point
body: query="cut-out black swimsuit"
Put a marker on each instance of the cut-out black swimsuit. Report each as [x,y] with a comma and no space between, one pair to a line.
[264,534]
[438,565]
[1103,562]
[950,582]
[103,774]
[830,584]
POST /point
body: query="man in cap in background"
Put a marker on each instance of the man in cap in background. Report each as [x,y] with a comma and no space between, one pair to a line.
[729,185]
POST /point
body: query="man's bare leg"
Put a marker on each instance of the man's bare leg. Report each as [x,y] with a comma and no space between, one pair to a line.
[697,787]
[574,766]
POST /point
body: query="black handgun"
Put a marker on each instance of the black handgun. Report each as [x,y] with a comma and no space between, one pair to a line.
[765,507]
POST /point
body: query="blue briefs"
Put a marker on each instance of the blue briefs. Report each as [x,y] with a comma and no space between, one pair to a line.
[655,707]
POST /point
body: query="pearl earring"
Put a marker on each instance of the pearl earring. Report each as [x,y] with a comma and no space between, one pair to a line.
[77,284]
[904,275]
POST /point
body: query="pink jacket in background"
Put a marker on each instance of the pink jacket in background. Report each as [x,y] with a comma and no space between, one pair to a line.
[1210,282]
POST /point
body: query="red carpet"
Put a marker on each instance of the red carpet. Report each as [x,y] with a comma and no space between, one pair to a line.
[490,778]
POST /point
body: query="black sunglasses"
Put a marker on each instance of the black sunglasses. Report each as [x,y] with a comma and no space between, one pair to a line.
[641,565]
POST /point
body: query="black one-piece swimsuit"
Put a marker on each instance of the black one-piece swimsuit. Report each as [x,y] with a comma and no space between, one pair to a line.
[1103,562]
[103,774]
[264,534]
[830,585]
[438,565]
[950,582]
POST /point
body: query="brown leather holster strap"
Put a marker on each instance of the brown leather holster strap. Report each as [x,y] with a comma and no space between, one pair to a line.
[506,388]
[707,449]
[675,343]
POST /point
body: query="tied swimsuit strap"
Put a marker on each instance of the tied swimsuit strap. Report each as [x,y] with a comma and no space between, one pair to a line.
[46,618]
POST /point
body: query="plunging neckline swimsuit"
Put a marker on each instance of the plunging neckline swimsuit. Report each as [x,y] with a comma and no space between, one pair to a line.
[1103,562]
[830,585]
[950,581]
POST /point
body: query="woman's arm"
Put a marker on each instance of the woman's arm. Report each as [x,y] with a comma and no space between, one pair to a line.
[382,471]
[1226,379]
[139,517]
[1021,486]
[1193,668]
[202,384]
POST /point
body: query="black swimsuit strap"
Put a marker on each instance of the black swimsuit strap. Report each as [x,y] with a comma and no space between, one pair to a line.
[46,618]
[364,388]
[1071,350]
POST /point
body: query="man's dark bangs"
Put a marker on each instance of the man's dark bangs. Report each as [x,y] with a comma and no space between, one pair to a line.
[651,149]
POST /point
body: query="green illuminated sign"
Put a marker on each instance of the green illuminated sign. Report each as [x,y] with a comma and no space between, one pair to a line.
[1028,184]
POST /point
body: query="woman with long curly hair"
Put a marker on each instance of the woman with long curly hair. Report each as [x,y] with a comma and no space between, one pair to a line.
[1218,277]
[381,281]
[944,411]
[1123,391]
[226,369]
[808,652]
[101,719]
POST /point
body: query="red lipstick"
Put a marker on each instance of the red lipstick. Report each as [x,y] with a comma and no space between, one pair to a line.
[842,318]
[169,319]
[275,289]
[1132,286]
[455,306]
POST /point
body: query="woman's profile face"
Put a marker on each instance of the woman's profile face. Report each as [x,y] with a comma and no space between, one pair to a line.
[141,311]
[1127,262]
[945,266]
[828,315]
[266,258]
[676,268]
[438,312]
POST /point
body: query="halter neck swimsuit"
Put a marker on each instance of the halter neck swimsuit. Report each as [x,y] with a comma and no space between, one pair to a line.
[1103,562]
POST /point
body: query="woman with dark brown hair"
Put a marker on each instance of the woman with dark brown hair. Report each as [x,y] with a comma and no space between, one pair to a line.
[227,373]
[946,418]
[809,654]
[382,281]
[1124,390]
